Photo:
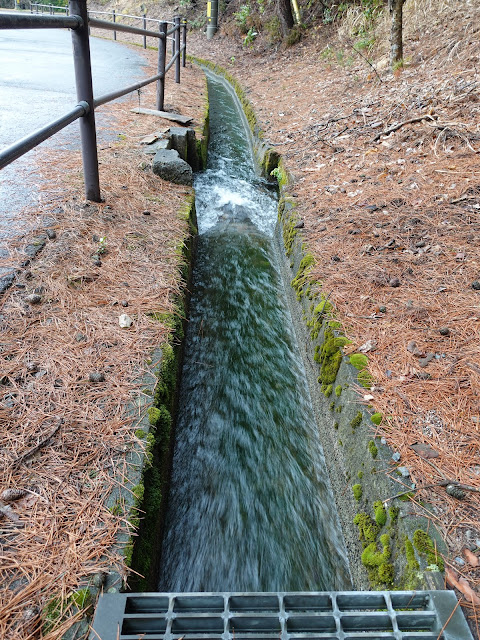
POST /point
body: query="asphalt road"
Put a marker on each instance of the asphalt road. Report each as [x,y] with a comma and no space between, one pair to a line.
[37,85]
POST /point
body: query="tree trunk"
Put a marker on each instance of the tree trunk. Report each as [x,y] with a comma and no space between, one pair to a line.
[396,39]
[285,15]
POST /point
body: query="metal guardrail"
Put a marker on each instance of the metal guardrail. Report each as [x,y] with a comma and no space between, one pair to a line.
[340,615]
[78,20]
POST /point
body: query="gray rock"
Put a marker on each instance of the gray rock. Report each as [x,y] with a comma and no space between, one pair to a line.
[6,282]
[33,298]
[51,233]
[96,376]
[396,457]
[168,165]
[152,149]
[404,471]
[183,140]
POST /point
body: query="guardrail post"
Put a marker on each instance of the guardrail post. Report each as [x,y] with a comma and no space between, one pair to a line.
[145,27]
[83,81]
[184,43]
[162,54]
[114,19]
[177,48]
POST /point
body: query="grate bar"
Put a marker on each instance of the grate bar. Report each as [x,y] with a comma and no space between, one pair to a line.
[347,615]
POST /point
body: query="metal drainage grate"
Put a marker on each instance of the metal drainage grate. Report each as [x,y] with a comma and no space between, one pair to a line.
[348,615]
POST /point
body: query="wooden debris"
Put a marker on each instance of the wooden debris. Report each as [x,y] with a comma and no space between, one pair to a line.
[10,495]
[31,452]
[174,117]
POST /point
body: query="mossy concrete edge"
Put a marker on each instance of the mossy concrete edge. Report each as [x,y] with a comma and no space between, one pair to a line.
[356,459]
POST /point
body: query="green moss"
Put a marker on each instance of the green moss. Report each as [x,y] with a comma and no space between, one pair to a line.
[357,420]
[376,418]
[306,265]
[339,409]
[359,360]
[360,475]
[373,449]
[425,545]
[365,379]
[412,561]
[335,425]
[332,405]
[328,391]
[386,573]
[330,358]
[338,390]
[154,415]
[54,612]
[380,513]
[368,529]
[393,513]
[357,491]
[140,434]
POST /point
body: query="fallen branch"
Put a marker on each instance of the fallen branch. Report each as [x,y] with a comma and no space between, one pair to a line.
[399,125]
[31,452]
[441,483]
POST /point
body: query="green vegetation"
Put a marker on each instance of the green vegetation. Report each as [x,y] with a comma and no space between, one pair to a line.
[357,420]
[338,390]
[357,491]
[426,546]
[380,513]
[329,356]
[372,447]
[376,418]
[368,529]
[359,360]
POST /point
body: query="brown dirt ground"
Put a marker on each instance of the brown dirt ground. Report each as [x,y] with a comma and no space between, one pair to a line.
[59,533]
[393,221]
[404,207]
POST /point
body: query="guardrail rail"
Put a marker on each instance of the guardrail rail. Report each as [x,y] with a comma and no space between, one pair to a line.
[79,21]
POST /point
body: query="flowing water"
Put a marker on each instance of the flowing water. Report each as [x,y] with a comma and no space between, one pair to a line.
[250,508]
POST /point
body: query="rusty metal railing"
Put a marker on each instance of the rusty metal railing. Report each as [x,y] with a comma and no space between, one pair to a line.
[78,20]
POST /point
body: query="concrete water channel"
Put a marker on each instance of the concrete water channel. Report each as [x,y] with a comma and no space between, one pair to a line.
[253,546]
[250,505]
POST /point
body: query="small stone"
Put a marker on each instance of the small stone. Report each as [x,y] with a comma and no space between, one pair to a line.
[58,383]
[423,362]
[460,561]
[33,298]
[476,285]
[146,213]
[423,375]
[32,367]
[444,331]
[414,350]
[124,303]
[96,376]
[383,440]
[425,450]
[420,244]
[382,309]
[125,321]
[394,282]
[95,238]
[336,259]
[299,225]
[51,233]
[404,471]
[80,337]
[396,457]
[96,261]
